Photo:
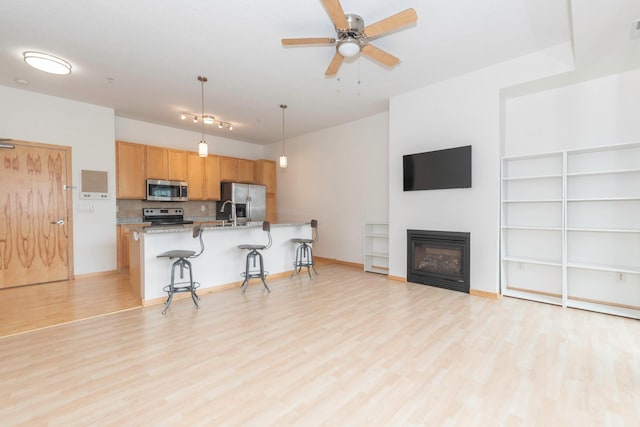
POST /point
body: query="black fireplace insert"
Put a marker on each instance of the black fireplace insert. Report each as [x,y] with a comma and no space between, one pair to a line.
[439,258]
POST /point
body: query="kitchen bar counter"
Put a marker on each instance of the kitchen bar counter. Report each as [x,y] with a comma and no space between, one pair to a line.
[220,264]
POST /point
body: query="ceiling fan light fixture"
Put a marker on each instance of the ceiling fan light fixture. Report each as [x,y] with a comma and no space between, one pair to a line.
[48,63]
[349,48]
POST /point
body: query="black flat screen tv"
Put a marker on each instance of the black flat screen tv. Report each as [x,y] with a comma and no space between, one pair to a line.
[433,170]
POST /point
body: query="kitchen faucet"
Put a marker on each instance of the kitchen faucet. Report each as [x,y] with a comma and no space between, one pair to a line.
[232,217]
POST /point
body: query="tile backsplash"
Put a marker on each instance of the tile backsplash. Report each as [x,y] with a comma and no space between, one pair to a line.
[196,209]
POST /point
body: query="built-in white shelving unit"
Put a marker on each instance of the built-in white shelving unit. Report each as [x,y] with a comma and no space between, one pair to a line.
[376,248]
[570,228]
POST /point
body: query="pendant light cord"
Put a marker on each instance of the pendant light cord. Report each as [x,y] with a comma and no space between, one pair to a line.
[283,106]
[202,80]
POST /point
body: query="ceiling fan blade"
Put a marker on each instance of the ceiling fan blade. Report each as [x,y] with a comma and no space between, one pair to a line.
[308,40]
[334,66]
[379,55]
[391,23]
[336,13]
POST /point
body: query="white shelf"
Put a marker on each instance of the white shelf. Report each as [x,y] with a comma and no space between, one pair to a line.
[603,172]
[603,199]
[376,248]
[526,227]
[534,201]
[522,178]
[532,261]
[610,268]
[603,230]
[580,209]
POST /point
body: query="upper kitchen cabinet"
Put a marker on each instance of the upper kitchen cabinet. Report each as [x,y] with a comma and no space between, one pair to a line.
[245,171]
[130,170]
[157,162]
[203,177]
[212,178]
[196,176]
[167,163]
[178,164]
[264,173]
[228,169]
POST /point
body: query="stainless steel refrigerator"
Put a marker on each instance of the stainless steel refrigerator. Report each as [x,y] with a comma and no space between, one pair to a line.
[249,200]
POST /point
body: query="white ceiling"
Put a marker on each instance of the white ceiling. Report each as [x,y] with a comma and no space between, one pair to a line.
[153,50]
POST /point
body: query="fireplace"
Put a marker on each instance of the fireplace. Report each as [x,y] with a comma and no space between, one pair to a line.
[439,258]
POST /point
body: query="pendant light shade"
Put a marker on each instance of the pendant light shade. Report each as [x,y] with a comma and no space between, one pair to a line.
[203,147]
[283,158]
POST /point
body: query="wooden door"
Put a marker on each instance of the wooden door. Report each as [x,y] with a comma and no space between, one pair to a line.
[35,214]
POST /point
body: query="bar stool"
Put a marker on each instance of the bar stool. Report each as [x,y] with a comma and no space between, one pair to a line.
[252,256]
[304,252]
[183,263]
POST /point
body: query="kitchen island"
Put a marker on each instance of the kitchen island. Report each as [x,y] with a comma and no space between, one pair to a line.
[219,265]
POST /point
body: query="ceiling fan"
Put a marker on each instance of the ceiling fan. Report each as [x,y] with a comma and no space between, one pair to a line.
[352,37]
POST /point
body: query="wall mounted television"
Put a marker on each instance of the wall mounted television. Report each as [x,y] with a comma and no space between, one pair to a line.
[433,170]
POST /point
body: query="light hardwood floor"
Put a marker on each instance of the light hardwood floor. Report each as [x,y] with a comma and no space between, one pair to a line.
[26,308]
[345,349]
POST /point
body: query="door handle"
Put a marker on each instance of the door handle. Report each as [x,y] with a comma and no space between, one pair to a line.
[58,222]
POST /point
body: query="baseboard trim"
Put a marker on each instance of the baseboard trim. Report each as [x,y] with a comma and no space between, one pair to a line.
[397,278]
[337,261]
[94,275]
[484,294]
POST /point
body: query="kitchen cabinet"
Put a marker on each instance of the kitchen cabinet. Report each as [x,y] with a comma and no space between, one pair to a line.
[157,162]
[272,213]
[122,242]
[376,248]
[233,169]
[196,176]
[212,178]
[178,164]
[167,163]
[130,170]
[265,174]
[571,228]
[228,169]
[245,171]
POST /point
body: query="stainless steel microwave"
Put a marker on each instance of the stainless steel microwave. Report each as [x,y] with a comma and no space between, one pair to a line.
[167,191]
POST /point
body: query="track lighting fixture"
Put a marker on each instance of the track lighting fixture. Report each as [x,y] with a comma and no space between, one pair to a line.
[207,120]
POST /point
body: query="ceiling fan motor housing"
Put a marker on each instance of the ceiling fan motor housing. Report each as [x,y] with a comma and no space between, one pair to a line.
[355,30]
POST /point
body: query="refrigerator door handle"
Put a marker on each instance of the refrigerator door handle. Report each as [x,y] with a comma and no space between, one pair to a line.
[249,208]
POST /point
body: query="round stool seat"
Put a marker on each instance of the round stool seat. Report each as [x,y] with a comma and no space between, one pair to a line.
[297,240]
[252,247]
[177,254]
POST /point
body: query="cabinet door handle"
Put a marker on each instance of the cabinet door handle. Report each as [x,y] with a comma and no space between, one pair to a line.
[58,222]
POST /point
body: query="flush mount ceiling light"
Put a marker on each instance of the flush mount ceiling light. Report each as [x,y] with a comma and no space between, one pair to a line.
[283,158]
[47,63]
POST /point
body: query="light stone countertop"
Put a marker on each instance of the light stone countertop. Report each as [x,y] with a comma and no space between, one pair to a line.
[207,227]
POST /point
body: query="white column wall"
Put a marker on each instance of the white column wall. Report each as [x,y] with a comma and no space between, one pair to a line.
[339,177]
[461,111]
[597,112]
[88,130]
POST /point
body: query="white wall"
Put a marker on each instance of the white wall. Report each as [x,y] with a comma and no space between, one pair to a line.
[88,130]
[602,111]
[339,177]
[461,111]
[164,136]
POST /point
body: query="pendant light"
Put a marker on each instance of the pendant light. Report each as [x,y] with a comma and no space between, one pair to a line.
[283,158]
[203,148]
